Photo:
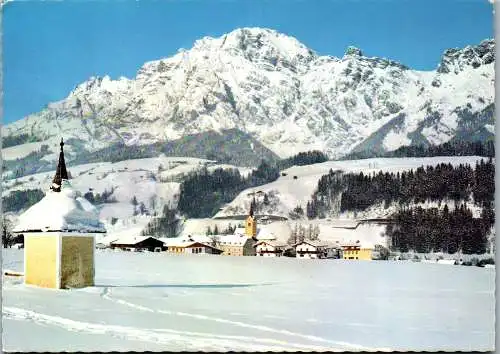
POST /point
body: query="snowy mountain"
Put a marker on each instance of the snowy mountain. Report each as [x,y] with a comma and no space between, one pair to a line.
[276,91]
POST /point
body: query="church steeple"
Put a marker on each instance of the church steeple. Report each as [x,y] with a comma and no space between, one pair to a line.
[251,223]
[252,205]
[61,172]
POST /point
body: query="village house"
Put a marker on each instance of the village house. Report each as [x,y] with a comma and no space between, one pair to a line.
[269,248]
[236,245]
[191,245]
[59,236]
[353,250]
[138,244]
[311,249]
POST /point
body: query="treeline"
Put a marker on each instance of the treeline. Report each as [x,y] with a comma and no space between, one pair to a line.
[453,148]
[359,191]
[303,158]
[105,197]
[433,230]
[21,199]
[166,225]
[203,193]
[30,164]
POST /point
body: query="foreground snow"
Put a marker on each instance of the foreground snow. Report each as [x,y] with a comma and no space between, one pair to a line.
[155,301]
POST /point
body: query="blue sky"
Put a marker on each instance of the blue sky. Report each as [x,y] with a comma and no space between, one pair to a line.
[49,47]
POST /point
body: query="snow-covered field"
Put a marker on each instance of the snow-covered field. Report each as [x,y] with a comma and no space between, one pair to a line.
[155,301]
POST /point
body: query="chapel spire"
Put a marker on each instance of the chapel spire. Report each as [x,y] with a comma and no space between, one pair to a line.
[61,172]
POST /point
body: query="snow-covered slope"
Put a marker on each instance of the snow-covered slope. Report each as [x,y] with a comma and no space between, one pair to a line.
[274,88]
[288,192]
[143,179]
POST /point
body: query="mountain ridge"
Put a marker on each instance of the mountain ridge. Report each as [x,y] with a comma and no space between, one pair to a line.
[283,94]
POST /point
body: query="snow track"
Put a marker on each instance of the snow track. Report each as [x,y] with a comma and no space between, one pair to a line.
[187,340]
[331,345]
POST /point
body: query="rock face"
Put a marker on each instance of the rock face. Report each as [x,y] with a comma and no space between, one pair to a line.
[284,95]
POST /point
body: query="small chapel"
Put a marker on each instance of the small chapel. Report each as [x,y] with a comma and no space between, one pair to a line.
[59,236]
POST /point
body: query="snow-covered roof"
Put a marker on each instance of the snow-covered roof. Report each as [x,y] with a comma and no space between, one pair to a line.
[61,211]
[239,231]
[233,240]
[132,240]
[264,234]
[271,243]
[317,243]
[350,243]
[182,242]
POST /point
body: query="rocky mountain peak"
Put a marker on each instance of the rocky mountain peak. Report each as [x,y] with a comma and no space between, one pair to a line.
[353,51]
[456,59]
[272,87]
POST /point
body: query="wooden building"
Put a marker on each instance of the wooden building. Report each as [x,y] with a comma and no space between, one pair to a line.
[191,245]
[138,244]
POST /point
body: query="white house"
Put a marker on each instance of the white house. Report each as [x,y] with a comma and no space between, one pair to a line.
[269,248]
[311,249]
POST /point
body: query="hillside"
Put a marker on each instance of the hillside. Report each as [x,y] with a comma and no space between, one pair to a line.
[154,182]
[286,193]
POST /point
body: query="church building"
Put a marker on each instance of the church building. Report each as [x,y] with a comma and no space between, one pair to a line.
[59,236]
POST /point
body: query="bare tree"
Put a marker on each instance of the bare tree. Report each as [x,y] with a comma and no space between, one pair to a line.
[7,236]
[214,240]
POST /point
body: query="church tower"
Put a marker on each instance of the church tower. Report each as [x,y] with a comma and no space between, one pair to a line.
[251,223]
[59,236]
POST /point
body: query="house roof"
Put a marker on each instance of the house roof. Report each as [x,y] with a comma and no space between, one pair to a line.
[313,243]
[191,244]
[262,233]
[271,243]
[350,243]
[133,240]
[61,211]
[181,242]
[239,231]
[236,240]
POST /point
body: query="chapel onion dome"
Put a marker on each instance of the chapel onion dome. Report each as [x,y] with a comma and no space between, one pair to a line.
[63,209]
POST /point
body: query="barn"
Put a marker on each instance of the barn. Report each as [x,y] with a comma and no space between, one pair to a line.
[138,244]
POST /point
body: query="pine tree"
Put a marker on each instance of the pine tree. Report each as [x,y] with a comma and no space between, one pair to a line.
[293,236]
[302,233]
